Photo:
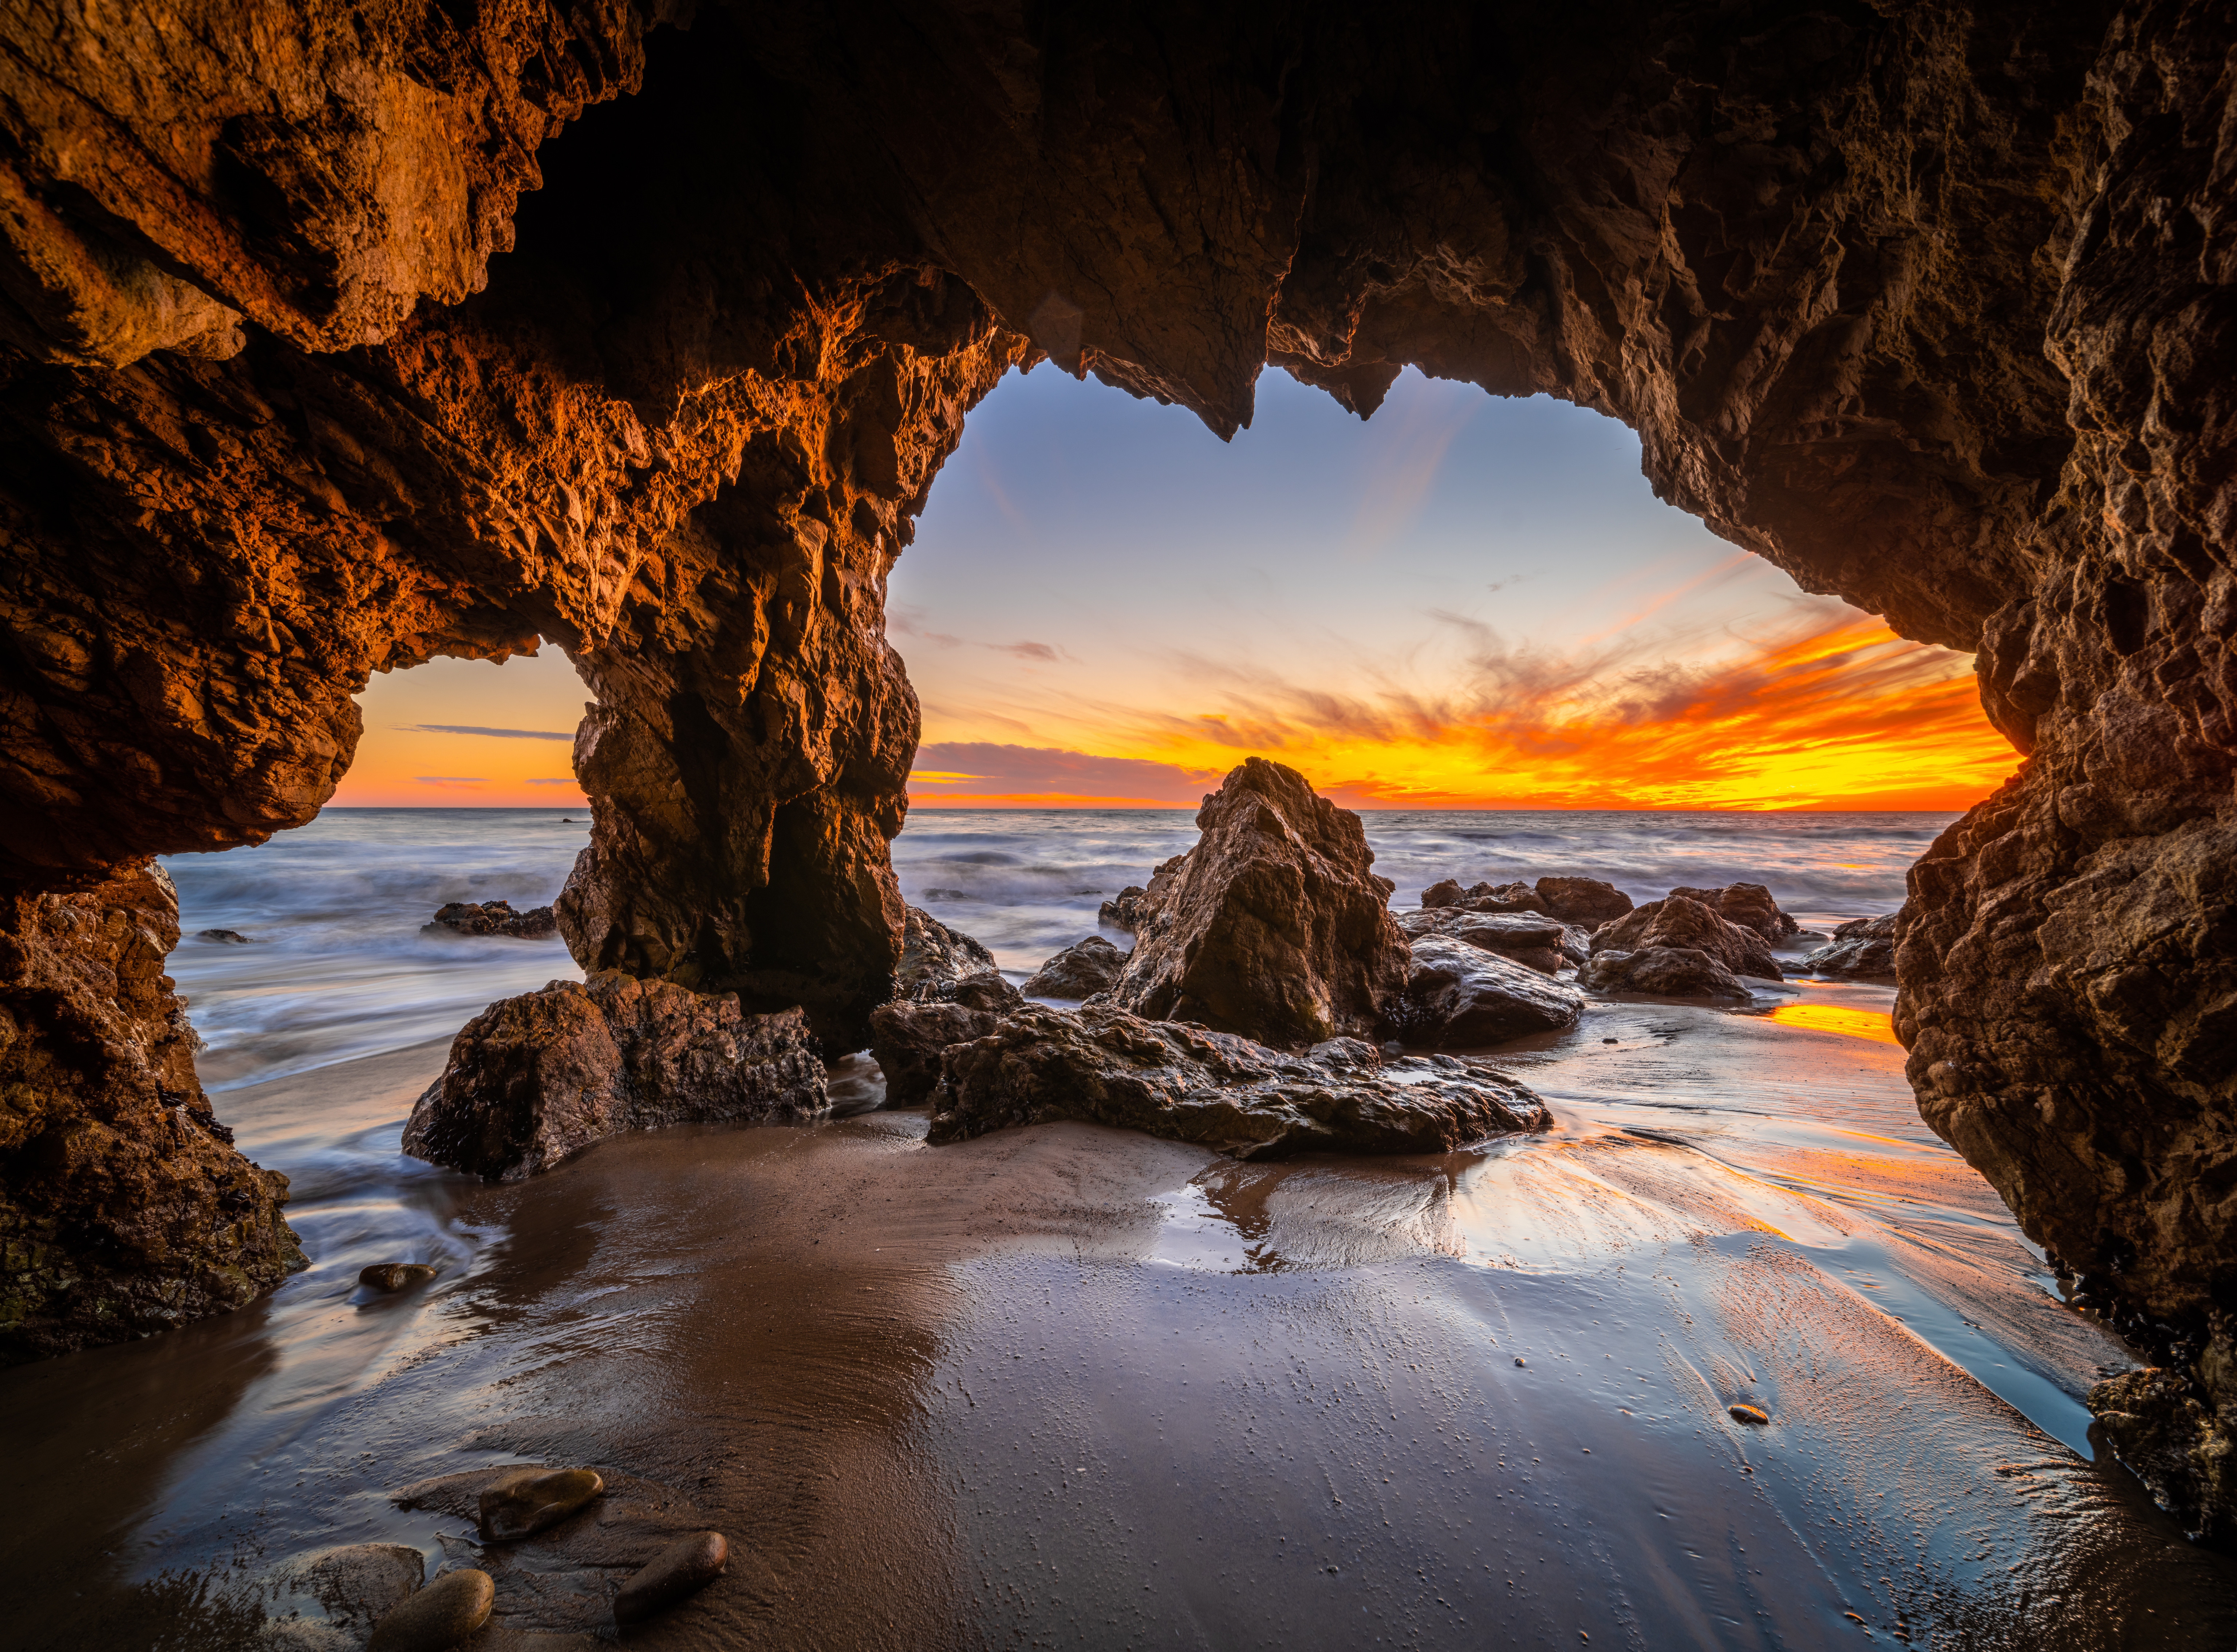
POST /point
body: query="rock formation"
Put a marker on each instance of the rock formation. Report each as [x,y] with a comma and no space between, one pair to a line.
[497,918]
[1750,905]
[948,991]
[1483,897]
[1461,996]
[1079,972]
[336,339]
[935,959]
[536,1078]
[1585,902]
[1537,943]
[1864,949]
[1273,926]
[1679,923]
[1663,972]
[1104,1066]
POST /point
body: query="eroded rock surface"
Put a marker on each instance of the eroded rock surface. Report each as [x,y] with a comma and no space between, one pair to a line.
[1665,972]
[1862,949]
[497,918]
[1461,996]
[1537,943]
[1750,905]
[1678,923]
[1104,1066]
[535,1078]
[1079,972]
[1585,902]
[1273,927]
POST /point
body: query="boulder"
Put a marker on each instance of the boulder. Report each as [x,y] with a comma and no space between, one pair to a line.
[1124,910]
[497,917]
[680,1570]
[907,1039]
[1446,891]
[1665,972]
[533,1079]
[1863,950]
[935,957]
[1079,972]
[1459,994]
[438,1616]
[532,1499]
[1516,897]
[1273,926]
[1750,905]
[1587,902]
[1104,1066]
[1530,938]
[1684,924]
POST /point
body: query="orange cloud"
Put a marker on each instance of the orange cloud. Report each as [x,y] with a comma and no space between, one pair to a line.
[1838,712]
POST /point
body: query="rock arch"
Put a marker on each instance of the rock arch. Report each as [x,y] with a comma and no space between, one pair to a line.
[338,338]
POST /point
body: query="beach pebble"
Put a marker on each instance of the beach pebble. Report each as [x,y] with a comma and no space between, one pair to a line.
[1755,1414]
[395,1276]
[681,1569]
[522,1504]
[439,1615]
[1519,1361]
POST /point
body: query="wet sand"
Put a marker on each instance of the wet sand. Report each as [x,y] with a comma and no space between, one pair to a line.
[1072,1386]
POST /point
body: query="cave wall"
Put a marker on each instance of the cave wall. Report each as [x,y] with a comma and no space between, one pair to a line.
[338,338]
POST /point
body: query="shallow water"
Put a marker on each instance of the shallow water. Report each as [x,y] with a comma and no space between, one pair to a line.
[1071,1386]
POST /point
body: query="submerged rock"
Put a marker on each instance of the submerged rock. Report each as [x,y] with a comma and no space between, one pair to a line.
[1864,949]
[522,1504]
[358,1583]
[935,959]
[1587,902]
[224,937]
[1683,923]
[1458,994]
[535,1078]
[395,1276]
[1244,1099]
[1079,972]
[1750,905]
[2168,1432]
[677,1573]
[1273,926]
[438,1616]
[1663,971]
[497,917]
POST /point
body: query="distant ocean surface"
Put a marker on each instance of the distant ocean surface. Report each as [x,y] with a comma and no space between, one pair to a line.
[343,963]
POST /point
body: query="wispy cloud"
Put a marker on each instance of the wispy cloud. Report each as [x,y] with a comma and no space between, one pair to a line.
[452,780]
[981,773]
[493,733]
[562,779]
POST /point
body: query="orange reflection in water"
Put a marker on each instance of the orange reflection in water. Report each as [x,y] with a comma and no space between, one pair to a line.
[1828,1017]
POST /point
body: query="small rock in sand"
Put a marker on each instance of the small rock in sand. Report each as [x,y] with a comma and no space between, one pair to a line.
[1519,1361]
[440,1616]
[1755,1414]
[678,1572]
[228,936]
[523,1504]
[395,1276]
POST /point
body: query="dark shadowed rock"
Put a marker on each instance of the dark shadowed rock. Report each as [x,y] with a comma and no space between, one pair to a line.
[1079,972]
[2173,1436]
[1124,910]
[1273,926]
[1220,1091]
[497,917]
[677,1573]
[391,1277]
[1446,891]
[1530,938]
[1585,902]
[935,957]
[357,1583]
[530,1500]
[1459,994]
[1750,905]
[1862,949]
[438,1616]
[535,1078]
[1665,972]
[224,937]
[907,1039]
[1685,924]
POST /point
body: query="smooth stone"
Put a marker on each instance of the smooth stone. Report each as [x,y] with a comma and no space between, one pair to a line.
[678,1572]
[441,1615]
[1755,1414]
[523,1504]
[395,1276]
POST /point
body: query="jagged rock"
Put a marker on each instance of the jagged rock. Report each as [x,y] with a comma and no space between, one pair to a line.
[438,1616]
[2169,1433]
[935,958]
[1124,910]
[907,1039]
[1750,905]
[1685,925]
[391,1277]
[1665,972]
[533,1079]
[531,1500]
[1446,891]
[124,1209]
[1529,939]
[1081,970]
[1459,994]
[1585,902]
[1272,927]
[678,1572]
[497,917]
[1229,1094]
[1863,948]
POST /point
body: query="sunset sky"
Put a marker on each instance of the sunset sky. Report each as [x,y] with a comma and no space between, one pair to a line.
[1463,603]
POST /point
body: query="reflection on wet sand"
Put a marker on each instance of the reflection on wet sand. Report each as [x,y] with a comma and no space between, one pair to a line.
[1069,1386]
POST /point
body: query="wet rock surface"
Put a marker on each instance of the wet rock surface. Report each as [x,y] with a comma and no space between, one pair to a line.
[1538,943]
[936,959]
[1663,971]
[1681,923]
[1749,906]
[391,1277]
[535,1078]
[1460,995]
[357,1584]
[677,1573]
[1079,972]
[1273,926]
[527,1501]
[1862,949]
[2170,1433]
[1104,1066]
[907,1040]
[497,918]
[441,1615]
